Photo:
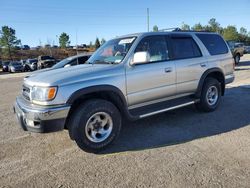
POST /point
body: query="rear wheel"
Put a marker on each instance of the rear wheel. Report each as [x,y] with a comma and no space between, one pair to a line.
[237,59]
[95,125]
[210,95]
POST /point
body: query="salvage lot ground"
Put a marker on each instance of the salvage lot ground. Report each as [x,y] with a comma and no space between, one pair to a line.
[181,148]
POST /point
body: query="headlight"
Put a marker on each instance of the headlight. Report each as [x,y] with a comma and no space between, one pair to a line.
[42,94]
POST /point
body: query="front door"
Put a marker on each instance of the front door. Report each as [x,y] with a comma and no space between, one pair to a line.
[154,79]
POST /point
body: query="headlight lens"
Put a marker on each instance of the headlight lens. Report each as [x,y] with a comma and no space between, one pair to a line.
[43,94]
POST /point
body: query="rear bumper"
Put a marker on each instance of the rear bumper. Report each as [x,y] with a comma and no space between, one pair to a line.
[229,78]
[35,118]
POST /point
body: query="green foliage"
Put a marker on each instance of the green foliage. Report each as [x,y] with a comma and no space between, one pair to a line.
[185,27]
[64,40]
[8,41]
[230,33]
[198,27]
[155,28]
[97,43]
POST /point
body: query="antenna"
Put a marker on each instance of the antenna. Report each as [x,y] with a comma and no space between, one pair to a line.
[148,18]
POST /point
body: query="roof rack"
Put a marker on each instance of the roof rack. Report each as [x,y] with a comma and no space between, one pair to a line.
[171,29]
[177,29]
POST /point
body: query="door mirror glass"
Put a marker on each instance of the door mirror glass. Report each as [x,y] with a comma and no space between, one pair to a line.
[140,58]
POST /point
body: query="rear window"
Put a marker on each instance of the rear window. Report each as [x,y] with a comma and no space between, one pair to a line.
[185,47]
[214,43]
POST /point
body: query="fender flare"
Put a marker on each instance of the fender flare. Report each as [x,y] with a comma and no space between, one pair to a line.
[101,88]
[204,76]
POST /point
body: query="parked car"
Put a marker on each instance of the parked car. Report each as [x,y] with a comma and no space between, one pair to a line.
[247,49]
[30,65]
[5,65]
[15,67]
[45,62]
[132,77]
[72,61]
[67,62]
[237,50]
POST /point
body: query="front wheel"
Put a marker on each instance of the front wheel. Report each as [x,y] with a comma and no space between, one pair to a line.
[210,95]
[95,125]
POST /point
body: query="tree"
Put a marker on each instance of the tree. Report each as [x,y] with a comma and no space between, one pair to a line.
[8,41]
[64,40]
[198,27]
[155,28]
[185,27]
[214,26]
[97,43]
[243,37]
[243,31]
[103,41]
[230,33]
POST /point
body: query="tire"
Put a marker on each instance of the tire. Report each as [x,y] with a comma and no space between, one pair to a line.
[237,59]
[210,95]
[87,121]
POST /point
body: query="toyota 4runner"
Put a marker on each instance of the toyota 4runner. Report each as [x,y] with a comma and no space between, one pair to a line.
[129,77]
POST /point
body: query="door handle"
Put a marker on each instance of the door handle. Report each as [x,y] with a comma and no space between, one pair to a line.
[203,65]
[169,69]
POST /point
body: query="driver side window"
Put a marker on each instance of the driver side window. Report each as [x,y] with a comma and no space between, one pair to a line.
[155,47]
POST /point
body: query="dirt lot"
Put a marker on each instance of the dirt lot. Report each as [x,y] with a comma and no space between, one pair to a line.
[182,148]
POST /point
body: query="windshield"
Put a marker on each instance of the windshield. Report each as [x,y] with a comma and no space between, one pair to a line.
[16,63]
[46,57]
[112,52]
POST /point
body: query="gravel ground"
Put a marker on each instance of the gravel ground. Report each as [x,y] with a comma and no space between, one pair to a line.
[181,148]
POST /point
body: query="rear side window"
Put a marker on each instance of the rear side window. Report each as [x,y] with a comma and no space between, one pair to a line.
[214,43]
[185,47]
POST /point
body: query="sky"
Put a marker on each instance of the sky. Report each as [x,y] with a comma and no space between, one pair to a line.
[41,22]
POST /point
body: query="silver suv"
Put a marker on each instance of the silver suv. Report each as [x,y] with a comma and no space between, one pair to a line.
[129,77]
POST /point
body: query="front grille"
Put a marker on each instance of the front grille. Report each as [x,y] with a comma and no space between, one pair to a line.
[26,92]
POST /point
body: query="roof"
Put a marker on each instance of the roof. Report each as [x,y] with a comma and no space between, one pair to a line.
[164,32]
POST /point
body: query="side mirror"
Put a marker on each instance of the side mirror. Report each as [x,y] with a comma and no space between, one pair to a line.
[67,65]
[140,58]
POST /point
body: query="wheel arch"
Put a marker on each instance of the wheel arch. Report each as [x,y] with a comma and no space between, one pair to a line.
[214,73]
[106,92]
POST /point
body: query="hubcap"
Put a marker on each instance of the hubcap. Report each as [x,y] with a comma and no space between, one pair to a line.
[99,126]
[212,95]
[237,59]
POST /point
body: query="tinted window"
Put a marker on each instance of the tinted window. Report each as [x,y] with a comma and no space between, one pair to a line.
[185,47]
[83,59]
[214,43]
[155,46]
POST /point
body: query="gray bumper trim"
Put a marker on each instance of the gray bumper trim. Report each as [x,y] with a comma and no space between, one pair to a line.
[39,113]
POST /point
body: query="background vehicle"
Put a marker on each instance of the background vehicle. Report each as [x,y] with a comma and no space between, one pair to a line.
[45,62]
[237,50]
[73,60]
[5,65]
[247,49]
[30,65]
[15,67]
[131,77]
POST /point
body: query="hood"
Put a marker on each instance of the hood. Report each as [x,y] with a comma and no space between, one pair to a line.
[67,75]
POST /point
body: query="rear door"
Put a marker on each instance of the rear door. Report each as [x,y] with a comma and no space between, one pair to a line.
[190,62]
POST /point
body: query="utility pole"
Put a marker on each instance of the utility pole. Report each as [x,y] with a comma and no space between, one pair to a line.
[148,18]
[76,45]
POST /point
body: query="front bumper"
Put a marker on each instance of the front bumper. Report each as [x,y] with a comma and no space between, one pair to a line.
[229,78]
[36,118]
